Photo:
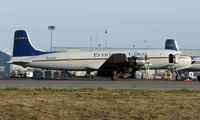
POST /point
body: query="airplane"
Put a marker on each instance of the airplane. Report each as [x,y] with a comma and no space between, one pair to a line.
[113,63]
[171,44]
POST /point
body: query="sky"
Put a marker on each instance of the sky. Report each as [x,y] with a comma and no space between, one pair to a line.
[128,22]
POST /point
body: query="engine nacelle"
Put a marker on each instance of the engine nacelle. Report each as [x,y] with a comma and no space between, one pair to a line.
[179,62]
[137,61]
[173,59]
[140,61]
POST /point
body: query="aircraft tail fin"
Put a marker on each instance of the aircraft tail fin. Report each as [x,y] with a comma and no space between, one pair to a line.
[23,46]
[171,44]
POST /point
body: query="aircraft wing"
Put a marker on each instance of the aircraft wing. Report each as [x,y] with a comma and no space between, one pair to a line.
[115,61]
[19,61]
[186,67]
[94,66]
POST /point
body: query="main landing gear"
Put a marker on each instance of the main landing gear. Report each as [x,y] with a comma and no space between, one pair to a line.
[178,76]
[115,75]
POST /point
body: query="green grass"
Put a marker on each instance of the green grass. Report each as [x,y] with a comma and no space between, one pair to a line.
[101,89]
[141,92]
[184,90]
[11,88]
[88,103]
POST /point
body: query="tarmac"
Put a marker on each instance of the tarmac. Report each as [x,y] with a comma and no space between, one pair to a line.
[78,83]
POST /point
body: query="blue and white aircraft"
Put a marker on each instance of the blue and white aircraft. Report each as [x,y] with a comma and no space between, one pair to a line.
[172,45]
[107,62]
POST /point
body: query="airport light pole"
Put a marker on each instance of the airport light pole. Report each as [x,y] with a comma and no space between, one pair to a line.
[145,46]
[99,45]
[106,38]
[91,44]
[51,28]
[146,42]
[133,46]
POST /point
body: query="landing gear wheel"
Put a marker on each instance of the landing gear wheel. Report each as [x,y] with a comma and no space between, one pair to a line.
[115,77]
[178,77]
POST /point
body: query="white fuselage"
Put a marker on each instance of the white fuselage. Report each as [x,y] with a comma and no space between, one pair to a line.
[81,60]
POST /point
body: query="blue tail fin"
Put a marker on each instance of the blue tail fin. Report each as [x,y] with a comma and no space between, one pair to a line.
[23,46]
[171,45]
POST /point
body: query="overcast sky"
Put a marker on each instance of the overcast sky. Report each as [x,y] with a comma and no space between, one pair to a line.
[128,22]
